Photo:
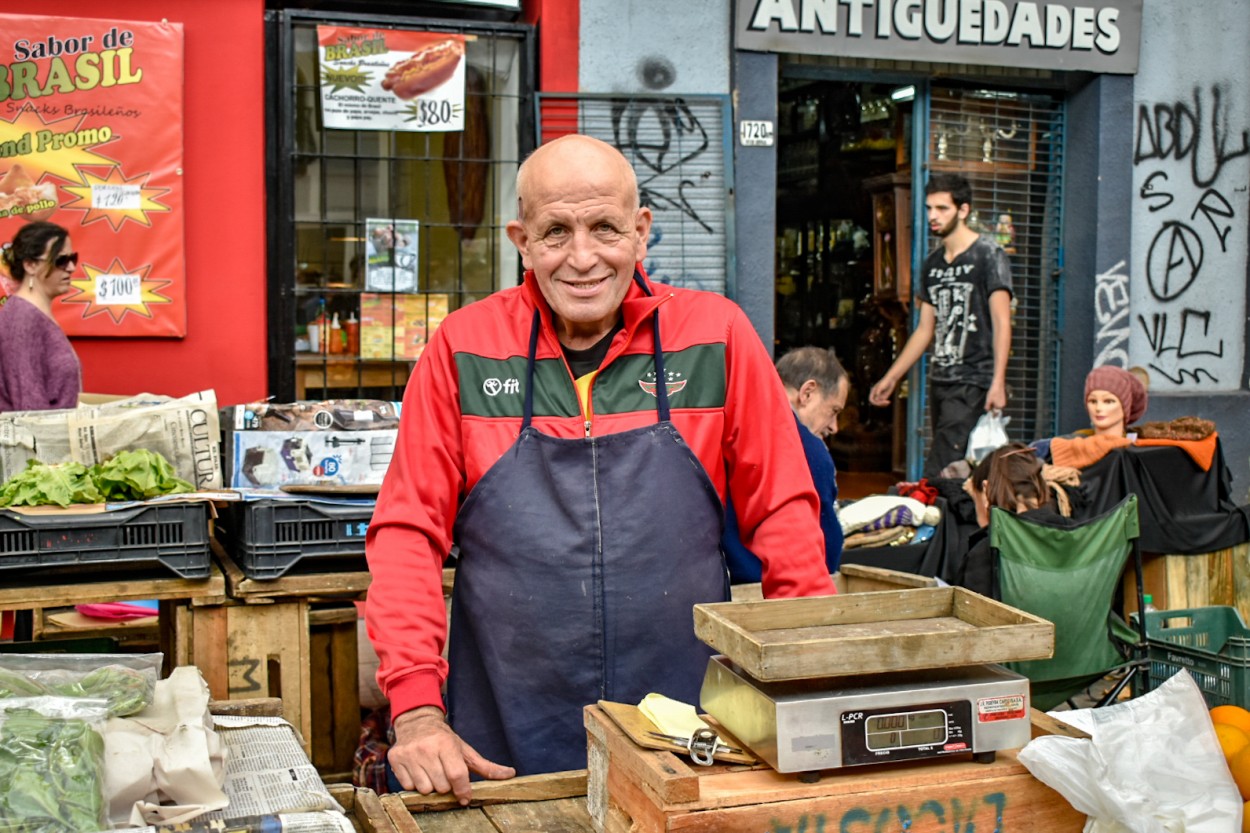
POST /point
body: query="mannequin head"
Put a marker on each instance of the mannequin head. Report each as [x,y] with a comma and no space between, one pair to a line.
[1114,399]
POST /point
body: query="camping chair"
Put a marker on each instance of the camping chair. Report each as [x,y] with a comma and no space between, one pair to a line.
[1069,575]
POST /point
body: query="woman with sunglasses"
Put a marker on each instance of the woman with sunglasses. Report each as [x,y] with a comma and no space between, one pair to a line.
[39,370]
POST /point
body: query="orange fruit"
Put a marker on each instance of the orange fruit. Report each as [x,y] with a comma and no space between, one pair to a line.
[1239,766]
[1233,716]
[1245,818]
[1232,740]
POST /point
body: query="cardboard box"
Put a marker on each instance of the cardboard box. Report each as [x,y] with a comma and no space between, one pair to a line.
[312,415]
[272,459]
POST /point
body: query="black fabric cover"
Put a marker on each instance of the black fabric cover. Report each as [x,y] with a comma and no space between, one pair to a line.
[1183,510]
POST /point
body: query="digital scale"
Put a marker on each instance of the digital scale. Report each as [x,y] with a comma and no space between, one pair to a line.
[808,725]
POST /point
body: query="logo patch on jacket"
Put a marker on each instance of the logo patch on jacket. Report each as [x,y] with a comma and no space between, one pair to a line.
[673,382]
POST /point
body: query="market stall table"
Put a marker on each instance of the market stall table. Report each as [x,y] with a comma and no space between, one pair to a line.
[939,556]
[1183,509]
[646,791]
[1194,536]
[265,638]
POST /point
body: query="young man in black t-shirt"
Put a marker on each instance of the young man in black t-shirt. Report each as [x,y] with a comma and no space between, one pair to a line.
[965,299]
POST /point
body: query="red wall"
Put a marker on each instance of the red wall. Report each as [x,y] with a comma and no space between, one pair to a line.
[224,171]
[559,39]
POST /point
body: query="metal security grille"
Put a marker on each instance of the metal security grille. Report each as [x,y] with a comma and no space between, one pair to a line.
[332,187]
[1009,144]
[680,148]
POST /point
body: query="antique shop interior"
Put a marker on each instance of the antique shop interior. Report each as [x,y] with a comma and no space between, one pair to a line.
[851,153]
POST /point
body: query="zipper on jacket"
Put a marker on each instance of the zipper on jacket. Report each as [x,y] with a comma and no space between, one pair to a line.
[587,429]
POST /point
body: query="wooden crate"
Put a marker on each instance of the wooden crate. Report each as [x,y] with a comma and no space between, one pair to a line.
[854,633]
[364,808]
[852,578]
[552,803]
[250,650]
[1221,577]
[635,790]
[334,697]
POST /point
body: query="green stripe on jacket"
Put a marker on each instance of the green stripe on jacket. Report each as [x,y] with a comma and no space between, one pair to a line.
[496,387]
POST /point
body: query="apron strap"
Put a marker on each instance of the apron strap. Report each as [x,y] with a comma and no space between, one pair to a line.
[529,371]
[661,384]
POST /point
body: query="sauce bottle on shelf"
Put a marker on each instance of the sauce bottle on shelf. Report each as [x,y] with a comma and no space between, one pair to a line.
[352,331]
[336,336]
[318,333]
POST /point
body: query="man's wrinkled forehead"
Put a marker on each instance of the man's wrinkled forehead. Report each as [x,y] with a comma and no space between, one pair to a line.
[569,158]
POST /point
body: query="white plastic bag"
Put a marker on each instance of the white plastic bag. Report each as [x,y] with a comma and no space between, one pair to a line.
[1151,765]
[989,433]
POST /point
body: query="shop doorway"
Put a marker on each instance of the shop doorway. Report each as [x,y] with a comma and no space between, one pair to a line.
[843,247]
[850,153]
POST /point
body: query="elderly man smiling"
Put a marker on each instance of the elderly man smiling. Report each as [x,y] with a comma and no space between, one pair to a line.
[576,438]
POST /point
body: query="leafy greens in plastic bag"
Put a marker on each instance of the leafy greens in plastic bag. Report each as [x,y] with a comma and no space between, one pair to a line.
[50,775]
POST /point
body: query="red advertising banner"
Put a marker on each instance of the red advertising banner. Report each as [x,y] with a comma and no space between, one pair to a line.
[91,139]
[391,79]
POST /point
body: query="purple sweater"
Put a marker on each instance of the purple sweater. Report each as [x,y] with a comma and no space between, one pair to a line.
[39,370]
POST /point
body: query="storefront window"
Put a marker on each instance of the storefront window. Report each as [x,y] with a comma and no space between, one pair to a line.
[379,234]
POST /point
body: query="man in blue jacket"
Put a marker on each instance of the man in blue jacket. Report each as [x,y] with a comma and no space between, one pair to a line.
[817,386]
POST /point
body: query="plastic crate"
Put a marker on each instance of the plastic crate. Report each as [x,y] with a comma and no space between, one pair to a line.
[269,537]
[165,536]
[1211,643]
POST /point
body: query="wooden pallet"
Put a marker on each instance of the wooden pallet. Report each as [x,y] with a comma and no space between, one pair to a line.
[635,790]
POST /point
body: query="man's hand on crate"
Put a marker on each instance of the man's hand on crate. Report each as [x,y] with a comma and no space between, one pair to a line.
[430,758]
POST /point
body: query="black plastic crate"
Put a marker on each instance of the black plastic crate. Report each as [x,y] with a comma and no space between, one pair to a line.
[159,537]
[268,537]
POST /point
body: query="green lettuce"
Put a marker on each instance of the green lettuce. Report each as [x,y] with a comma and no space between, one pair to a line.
[137,475]
[40,484]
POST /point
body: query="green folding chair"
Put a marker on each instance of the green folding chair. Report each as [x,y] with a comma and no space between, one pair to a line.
[1069,575]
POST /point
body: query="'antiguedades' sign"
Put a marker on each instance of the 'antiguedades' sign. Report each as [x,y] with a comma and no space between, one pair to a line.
[91,139]
[1096,35]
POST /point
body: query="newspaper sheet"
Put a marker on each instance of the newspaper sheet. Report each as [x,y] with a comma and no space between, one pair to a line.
[185,431]
[271,784]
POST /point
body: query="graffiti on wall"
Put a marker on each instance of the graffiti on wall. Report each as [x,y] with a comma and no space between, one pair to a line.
[1191,162]
[676,147]
[1111,313]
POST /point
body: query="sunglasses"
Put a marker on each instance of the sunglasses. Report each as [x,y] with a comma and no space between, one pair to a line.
[68,261]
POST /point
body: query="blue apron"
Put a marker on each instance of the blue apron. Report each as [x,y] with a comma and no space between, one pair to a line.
[580,560]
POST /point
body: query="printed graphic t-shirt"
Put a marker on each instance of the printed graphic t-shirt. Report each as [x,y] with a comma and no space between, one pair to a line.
[963,343]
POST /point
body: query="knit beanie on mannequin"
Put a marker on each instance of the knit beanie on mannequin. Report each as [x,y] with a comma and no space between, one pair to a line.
[1123,385]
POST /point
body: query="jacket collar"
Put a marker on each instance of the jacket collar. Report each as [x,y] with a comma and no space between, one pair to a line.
[638,304]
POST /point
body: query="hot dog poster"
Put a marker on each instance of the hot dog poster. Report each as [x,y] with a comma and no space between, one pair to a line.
[388,79]
[91,139]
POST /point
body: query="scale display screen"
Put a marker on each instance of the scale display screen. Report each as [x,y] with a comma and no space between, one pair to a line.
[923,730]
[898,731]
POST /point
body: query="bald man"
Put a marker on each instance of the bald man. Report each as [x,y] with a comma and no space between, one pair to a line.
[575,437]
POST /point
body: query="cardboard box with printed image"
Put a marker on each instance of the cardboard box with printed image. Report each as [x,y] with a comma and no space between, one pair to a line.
[399,326]
[272,459]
